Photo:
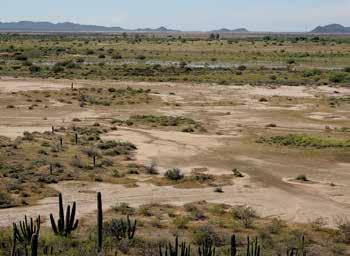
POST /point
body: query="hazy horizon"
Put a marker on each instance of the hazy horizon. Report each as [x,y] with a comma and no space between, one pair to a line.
[271,15]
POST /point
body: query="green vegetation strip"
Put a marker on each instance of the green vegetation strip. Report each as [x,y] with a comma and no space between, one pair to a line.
[304,140]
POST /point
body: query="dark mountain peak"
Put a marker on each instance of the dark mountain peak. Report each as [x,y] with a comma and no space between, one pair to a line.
[331,28]
[226,30]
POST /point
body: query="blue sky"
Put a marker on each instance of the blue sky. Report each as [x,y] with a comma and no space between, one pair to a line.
[256,15]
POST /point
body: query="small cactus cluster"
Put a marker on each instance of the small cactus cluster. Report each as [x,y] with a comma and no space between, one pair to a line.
[300,251]
[27,234]
[207,248]
[253,248]
[26,230]
[175,250]
[65,224]
[121,228]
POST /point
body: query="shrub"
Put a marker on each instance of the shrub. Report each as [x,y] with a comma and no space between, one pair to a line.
[117,56]
[57,69]
[5,200]
[218,190]
[21,57]
[273,77]
[152,168]
[28,136]
[242,68]
[206,233]
[276,226]
[34,69]
[246,215]
[188,129]
[302,177]
[343,225]
[92,152]
[181,222]
[174,174]
[140,57]
[77,162]
[124,209]
[237,173]
[318,224]
[337,77]
[114,148]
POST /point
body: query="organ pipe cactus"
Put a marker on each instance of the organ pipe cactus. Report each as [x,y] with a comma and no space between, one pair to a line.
[131,228]
[253,248]
[26,230]
[207,248]
[300,251]
[176,250]
[65,224]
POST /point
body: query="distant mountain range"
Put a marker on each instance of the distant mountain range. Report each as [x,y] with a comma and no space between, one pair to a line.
[225,30]
[30,26]
[331,29]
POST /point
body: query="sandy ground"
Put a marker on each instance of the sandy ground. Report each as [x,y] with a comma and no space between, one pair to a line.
[8,84]
[230,113]
[168,148]
[267,201]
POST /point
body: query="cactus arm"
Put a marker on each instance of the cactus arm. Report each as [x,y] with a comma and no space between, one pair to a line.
[53,224]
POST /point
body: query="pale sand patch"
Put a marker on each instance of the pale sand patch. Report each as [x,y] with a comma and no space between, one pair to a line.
[163,146]
[16,85]
[325,116]
[291,91]
[267,201]
[17,131]
[333,90]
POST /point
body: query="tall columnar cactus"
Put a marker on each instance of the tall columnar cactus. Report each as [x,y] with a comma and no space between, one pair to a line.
[94,160]
[14,245]
[253,248]
[26,230]
[51,169]
[65,224]
[233,245]
[131,228]
[76,138]
[34,244]
[99,222]
[207,248]
[170,250]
